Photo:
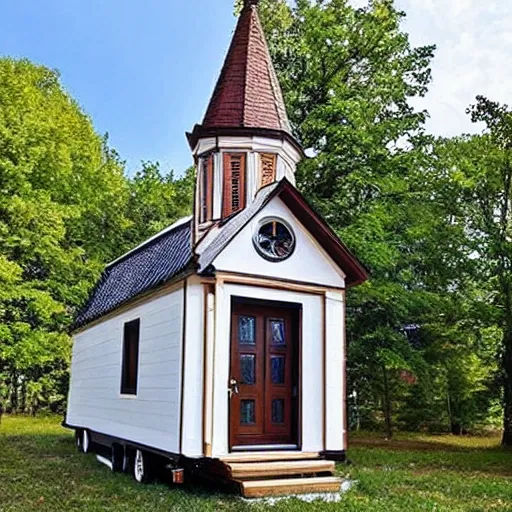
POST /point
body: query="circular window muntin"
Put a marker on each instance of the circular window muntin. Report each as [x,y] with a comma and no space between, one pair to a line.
[261,251]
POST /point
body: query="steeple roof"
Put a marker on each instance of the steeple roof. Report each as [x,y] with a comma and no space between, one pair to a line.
[247,95]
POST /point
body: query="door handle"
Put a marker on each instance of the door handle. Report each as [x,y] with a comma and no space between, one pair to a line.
[233,388]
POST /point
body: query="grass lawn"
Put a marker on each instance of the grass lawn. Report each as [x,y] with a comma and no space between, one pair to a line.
[40,469]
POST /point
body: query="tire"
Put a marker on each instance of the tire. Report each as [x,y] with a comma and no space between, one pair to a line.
[141,467]
[86,441]
[78,440]
[127,461]
[118,458]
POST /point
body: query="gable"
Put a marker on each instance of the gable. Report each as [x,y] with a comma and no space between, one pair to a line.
[309,262]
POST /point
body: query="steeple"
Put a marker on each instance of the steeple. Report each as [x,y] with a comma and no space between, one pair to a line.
[247,96]
[245,141]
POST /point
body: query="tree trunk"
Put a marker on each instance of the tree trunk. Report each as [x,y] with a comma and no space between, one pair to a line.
[449,404]
[14,392]
[387,405]
[456,428]
[507,384]
[23,405]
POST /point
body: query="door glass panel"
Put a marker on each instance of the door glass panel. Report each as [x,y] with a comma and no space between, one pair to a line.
[246,330]
[277,364]
[278,410]
[277,332]
[247,412]
[248,369]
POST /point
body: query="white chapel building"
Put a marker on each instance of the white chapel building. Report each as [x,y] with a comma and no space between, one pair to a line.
[220,341]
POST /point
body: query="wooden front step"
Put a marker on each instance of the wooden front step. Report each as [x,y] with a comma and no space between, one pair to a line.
[281,487]
[268,456]
[243,470]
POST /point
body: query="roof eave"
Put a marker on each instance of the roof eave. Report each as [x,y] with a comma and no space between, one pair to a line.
[200,132]
[355,272]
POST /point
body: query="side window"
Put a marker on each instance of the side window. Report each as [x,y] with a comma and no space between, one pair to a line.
[130,368]
[234,183]
[206,188]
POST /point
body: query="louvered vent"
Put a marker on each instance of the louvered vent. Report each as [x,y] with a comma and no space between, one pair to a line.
[268,169]
[234,183]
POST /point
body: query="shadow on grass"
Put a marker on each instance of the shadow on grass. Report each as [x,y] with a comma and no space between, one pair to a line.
[57,446]
[423,456]
[421,445]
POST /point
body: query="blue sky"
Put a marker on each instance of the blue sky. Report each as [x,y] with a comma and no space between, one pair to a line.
[144,69]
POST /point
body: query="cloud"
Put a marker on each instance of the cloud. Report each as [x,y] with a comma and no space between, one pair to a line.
[474,56]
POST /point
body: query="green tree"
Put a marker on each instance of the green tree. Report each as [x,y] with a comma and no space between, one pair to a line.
[481,167]
[348,76]
[156,201]
[66,209]
[62,213]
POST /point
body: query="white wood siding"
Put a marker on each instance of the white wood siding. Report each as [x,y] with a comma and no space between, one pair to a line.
[153,416]
[253,176]
[309,262]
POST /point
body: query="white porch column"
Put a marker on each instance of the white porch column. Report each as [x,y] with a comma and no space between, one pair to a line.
[208,377]
[335,433]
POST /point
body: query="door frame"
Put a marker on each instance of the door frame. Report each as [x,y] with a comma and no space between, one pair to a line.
[296,309]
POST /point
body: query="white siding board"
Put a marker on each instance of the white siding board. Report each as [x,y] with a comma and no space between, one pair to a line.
[221,368]
[253,175]
[312,369]
[95,402]
[218,183]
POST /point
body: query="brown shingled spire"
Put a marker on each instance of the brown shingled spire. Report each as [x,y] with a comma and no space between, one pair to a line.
[247,95]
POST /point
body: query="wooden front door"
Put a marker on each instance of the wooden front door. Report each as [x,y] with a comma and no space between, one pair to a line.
[263,398]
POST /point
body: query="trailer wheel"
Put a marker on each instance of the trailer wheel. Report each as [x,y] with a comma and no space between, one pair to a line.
[118,458]
[78,440]
[86,441]
[141,467]
[127,459]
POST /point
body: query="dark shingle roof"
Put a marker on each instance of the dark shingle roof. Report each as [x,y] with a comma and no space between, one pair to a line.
[247,93]
[148,266]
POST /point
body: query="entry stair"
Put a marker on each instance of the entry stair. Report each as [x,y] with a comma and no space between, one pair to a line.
[263,474]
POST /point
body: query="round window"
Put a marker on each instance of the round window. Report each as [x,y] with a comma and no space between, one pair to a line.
[274,239]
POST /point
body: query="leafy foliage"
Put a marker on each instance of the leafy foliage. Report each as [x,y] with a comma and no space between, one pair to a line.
[481,169]
[66,208]
[430,334]
[421,346]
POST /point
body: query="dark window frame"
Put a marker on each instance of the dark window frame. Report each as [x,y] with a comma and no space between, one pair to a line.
[130,361]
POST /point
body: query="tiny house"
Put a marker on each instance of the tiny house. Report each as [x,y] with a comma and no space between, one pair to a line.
[218,345]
